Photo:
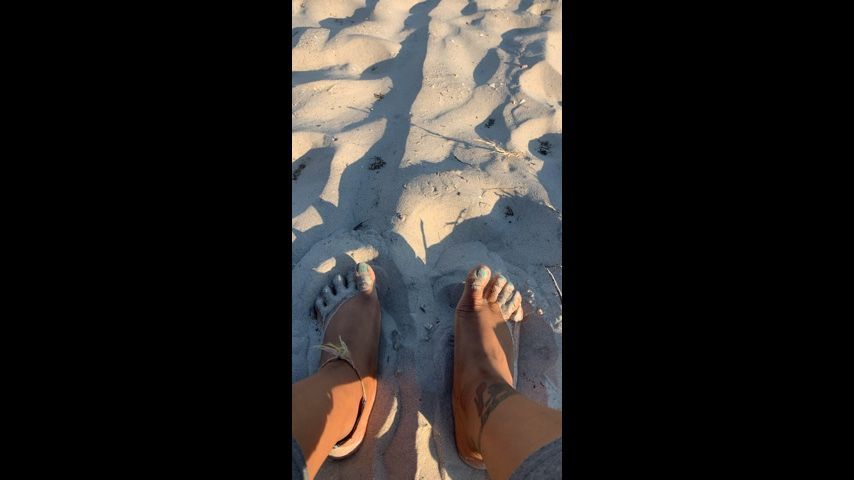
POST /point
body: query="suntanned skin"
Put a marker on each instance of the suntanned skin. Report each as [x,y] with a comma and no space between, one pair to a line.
[493,423]
[325,405]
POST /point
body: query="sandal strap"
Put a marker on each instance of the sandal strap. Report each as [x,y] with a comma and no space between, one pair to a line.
[364,393]
[342,353]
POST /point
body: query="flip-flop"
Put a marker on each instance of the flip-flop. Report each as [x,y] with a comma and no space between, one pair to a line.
[348,445]
[515,327]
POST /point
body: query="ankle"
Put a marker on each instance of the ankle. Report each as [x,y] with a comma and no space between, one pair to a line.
[469,390]
[345,391]
[341,376]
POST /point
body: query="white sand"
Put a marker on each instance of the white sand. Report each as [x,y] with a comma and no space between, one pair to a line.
[439,202]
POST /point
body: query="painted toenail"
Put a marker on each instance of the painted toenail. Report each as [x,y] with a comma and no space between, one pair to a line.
[481,272]
[363,268]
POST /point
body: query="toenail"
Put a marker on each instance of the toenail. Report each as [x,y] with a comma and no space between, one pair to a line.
[481,272]
[363,268]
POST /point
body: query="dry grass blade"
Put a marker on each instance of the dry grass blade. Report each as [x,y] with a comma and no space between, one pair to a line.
[559,293]
[499,149]
[464,163]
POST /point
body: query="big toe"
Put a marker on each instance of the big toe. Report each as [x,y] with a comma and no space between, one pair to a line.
[365,278]
[473,296]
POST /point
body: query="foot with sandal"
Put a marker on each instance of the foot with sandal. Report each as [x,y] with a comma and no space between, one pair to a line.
[496,428]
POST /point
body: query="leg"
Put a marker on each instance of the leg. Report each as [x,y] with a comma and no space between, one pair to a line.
[493,422]
[323,411]
[517,428]
[325,405]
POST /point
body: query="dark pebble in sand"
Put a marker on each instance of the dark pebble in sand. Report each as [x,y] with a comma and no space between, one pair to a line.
[377,164]
[545,147]
[296,174]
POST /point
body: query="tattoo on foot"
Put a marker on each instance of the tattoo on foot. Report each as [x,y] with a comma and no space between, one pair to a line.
[487,397]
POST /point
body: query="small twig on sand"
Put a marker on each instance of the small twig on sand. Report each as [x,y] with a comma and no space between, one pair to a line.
[501,189]
[499,149]
[459,217]
[559,294]
[552,208]
[464,163]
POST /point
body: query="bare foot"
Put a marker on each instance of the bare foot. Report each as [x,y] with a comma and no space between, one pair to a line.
[351,307]
[482,351]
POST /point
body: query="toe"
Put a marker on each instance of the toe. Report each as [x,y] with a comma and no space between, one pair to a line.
[320,305]
[365,278]
[351,279]
[338,282]
[510,308]
[518,315]
[495,288]
[476,280]
[506,294]
[327,295]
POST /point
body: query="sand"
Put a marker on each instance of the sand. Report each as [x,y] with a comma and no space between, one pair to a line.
[426,138]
